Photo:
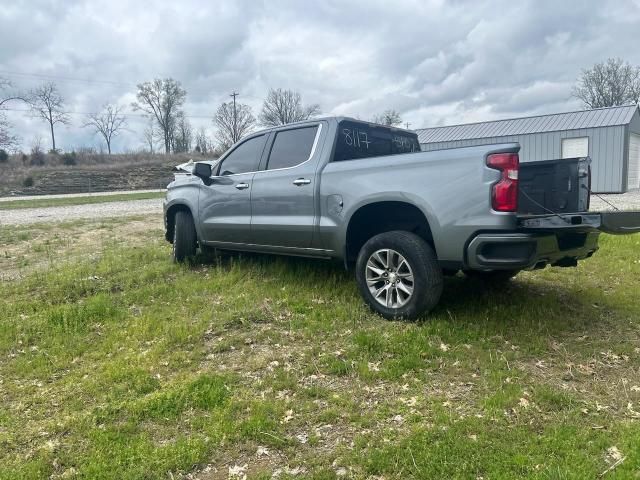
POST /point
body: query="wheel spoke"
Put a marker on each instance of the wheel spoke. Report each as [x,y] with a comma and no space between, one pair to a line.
[381,290]
[382,261]
[376,270]
[391,259]
[406,276]
[404,288]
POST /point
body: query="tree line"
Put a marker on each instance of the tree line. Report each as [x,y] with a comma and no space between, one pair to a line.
[609,83]
[161,101]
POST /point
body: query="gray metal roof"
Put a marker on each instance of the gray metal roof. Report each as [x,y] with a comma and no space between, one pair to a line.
[600,117]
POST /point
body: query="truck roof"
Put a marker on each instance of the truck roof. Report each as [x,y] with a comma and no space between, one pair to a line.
[338,118]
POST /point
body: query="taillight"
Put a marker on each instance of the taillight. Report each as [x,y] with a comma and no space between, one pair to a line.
[504,193]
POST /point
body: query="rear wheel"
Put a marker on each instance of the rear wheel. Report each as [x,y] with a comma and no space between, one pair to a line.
[184,237]
[398,275]
[494,277]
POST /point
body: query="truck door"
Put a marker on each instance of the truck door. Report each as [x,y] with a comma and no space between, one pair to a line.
[225,202]
[284,190]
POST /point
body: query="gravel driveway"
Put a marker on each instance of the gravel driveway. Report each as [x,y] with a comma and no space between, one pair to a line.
[25,216]
[623,201]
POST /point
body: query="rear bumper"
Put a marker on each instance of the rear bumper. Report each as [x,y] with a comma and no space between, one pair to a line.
[507,251]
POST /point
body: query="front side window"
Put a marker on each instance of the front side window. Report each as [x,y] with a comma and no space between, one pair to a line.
[292,147]
[245,158]
[362,140]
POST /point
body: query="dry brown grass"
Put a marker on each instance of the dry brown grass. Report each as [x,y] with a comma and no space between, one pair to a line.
[19,167]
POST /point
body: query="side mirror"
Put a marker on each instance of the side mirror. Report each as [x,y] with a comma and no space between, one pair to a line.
[202,170]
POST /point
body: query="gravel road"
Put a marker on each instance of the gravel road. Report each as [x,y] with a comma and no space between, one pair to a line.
[624,201]
[75,195]
[24,216]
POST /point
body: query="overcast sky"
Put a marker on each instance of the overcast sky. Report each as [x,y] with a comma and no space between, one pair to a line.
[436,62]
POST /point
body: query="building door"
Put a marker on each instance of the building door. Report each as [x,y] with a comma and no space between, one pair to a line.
[575,147]
[633,172]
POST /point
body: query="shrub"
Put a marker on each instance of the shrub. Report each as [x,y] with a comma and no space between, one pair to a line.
[38,158]
[4,156]
[69,159]
[28,182]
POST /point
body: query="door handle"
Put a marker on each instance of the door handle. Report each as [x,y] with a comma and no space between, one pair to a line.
[301,181]
[242,186]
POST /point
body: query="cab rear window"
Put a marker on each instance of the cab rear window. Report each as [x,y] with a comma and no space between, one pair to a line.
[357,140]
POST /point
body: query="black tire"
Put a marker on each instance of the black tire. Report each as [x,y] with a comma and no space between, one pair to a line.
[492,277]
[423,264]
[184,237]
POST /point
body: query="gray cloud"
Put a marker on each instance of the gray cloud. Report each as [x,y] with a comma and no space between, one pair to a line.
[436,62]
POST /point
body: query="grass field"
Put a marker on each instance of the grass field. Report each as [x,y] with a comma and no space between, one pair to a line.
[64,201]
[116,363]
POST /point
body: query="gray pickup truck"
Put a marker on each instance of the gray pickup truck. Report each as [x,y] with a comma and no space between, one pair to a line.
[364,194]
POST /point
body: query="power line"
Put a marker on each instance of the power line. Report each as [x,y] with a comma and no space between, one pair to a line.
[141,115]
[86,80]
[64,79]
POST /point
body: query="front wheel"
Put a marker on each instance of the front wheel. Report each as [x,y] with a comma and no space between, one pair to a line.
[398,275]
[184,237]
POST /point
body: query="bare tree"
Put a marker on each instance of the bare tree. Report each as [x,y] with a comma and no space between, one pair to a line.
[162,100]
[47,103]
[108,123]
[37,158]
[182,135]
[285,106]
[203,143]
[390,118]
[150,135]
[230,127]
[607,84]
[7,139]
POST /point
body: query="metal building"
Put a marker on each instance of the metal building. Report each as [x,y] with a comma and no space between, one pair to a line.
[610,136]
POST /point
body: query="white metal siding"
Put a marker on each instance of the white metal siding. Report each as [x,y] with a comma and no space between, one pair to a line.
[607,147]
[575,147]
[633,173]
[559,122]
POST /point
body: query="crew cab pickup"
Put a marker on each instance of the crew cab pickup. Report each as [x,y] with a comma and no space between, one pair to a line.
[364,194]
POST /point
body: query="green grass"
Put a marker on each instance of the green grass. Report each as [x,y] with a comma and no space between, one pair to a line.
[64,201]
[116,363]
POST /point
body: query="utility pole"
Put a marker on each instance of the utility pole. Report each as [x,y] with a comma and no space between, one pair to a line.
[408,125]
[235,117]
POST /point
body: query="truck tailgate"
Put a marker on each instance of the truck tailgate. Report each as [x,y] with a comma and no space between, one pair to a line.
[616,223]
[554,186]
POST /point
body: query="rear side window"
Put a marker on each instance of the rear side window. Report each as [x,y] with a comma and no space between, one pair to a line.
[291,147]
[245,158]
[361,140]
